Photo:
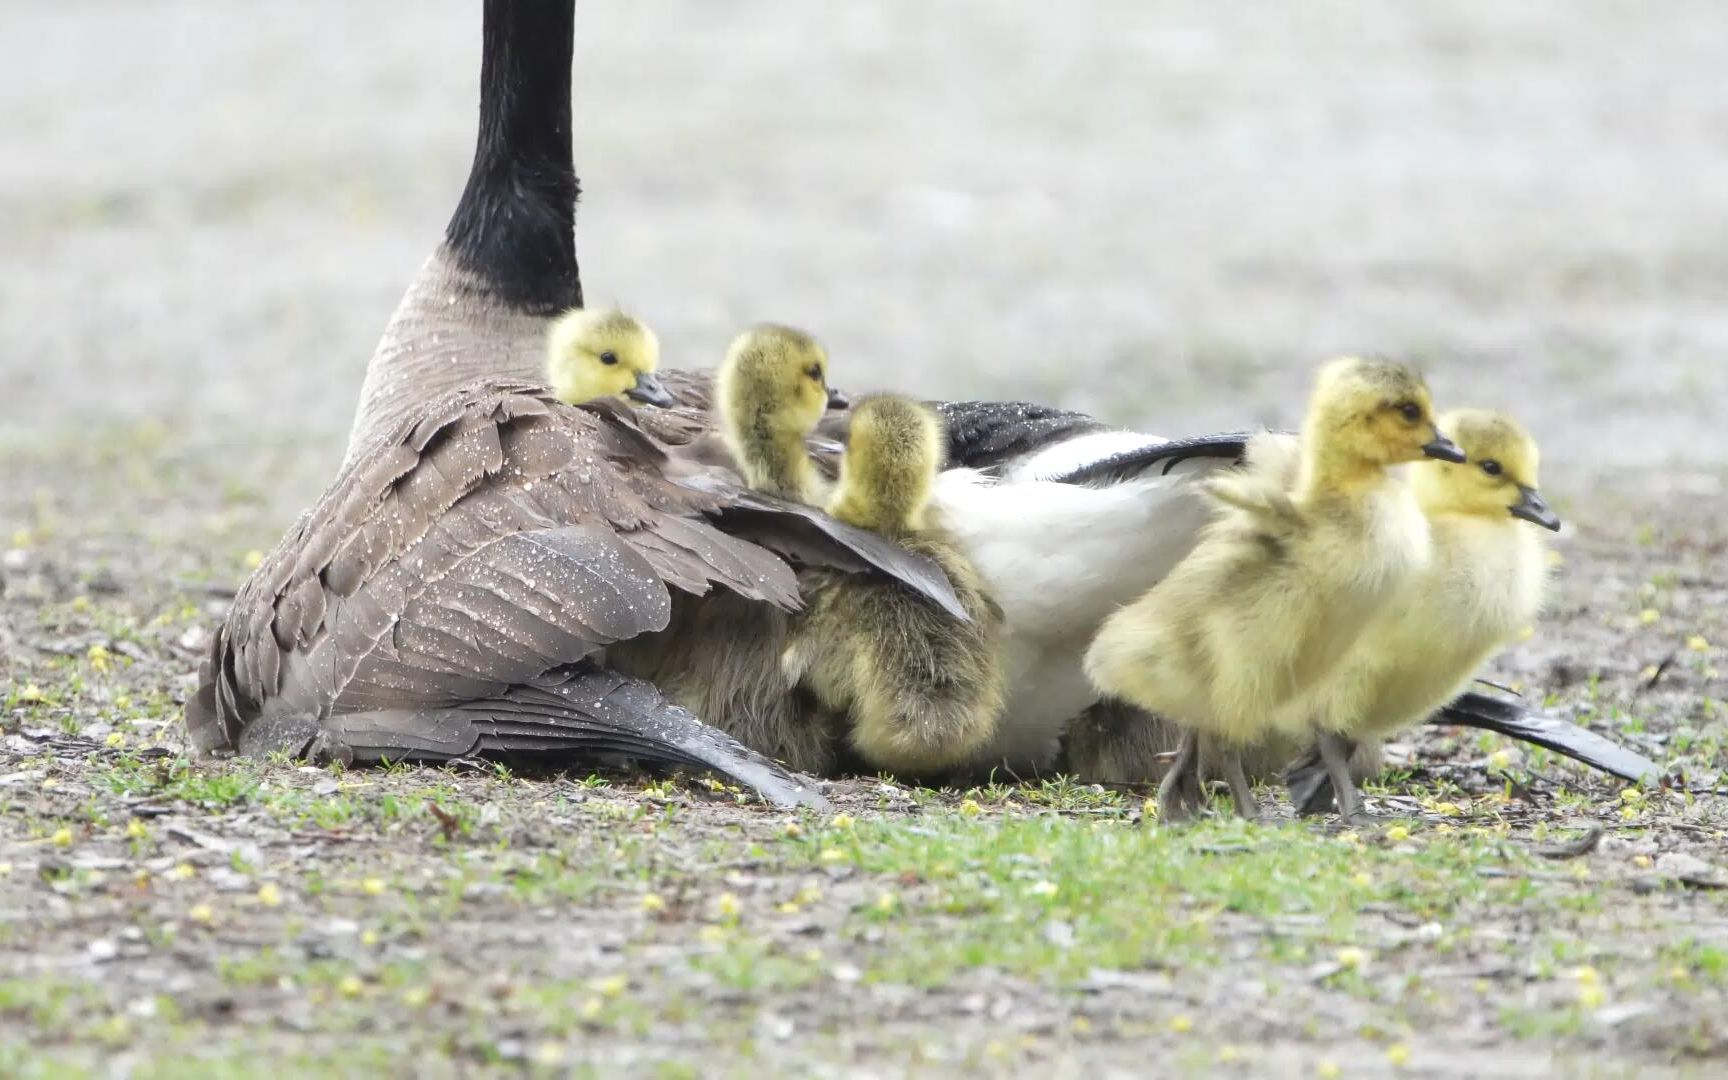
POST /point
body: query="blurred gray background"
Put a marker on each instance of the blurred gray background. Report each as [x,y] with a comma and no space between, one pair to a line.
[1164,212]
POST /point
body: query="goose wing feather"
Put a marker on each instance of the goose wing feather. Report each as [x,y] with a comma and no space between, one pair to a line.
[578,710]
[810,537]
[492,536]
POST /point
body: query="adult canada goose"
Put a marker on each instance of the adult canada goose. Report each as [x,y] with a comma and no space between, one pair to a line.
[1282,582]
[1483,587]
[454,590]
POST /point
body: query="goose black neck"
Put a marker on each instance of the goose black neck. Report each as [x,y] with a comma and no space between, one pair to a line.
[515,224]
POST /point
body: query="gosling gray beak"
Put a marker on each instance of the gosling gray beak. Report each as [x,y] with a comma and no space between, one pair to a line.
[650,391]
[837,399]
[1531,507]
[1444,449]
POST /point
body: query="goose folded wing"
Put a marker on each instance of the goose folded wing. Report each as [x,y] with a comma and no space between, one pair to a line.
[984,434]
[1158,458]
[808,537]
[499,535]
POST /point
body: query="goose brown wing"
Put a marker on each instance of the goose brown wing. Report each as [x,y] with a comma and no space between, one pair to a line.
[495,536]
[809,537]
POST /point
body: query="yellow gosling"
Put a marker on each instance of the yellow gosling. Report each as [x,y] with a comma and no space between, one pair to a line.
[592,354]
[920,691]
[1484,586]
[1283,580]
[770,392]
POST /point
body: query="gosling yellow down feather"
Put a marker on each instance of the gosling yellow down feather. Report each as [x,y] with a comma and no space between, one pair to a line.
[600,353]
[770,392]
[1482,589]
[920,692]
[1282,581]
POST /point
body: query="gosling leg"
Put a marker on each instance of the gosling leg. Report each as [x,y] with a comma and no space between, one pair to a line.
[1335,751]
[1241,791]
[1179,795]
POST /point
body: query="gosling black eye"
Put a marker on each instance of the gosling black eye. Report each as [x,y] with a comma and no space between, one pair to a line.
[1411,411]
[1491,467]
[608,358]
[814,371]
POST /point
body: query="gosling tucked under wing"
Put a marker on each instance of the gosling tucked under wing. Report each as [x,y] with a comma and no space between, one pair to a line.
[1482,588]
[450,595]
[918,691]
[1271,597]
[721,655]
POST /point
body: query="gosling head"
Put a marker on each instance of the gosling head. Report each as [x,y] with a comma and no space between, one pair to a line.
[773,385]
[602,353]
[1499,478]
[894,448]
[1378,412]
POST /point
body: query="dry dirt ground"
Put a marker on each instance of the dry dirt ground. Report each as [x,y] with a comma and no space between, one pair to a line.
[1164,213]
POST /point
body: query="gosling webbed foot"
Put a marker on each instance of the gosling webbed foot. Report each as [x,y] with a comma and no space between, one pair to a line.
[1241,791]
[1335,751]
[1180,796]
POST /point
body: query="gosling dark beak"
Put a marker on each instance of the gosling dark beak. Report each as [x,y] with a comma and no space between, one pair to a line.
[837,399]
[649,390]
[1531,508]
[1444,449]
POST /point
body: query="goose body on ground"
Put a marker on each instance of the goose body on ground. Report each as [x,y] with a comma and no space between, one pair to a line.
[1283,580]
[454,591]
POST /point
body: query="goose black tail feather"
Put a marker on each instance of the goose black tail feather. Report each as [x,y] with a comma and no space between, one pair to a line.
[1164,457]
[1561,736]
[565,717]
[1311,791]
